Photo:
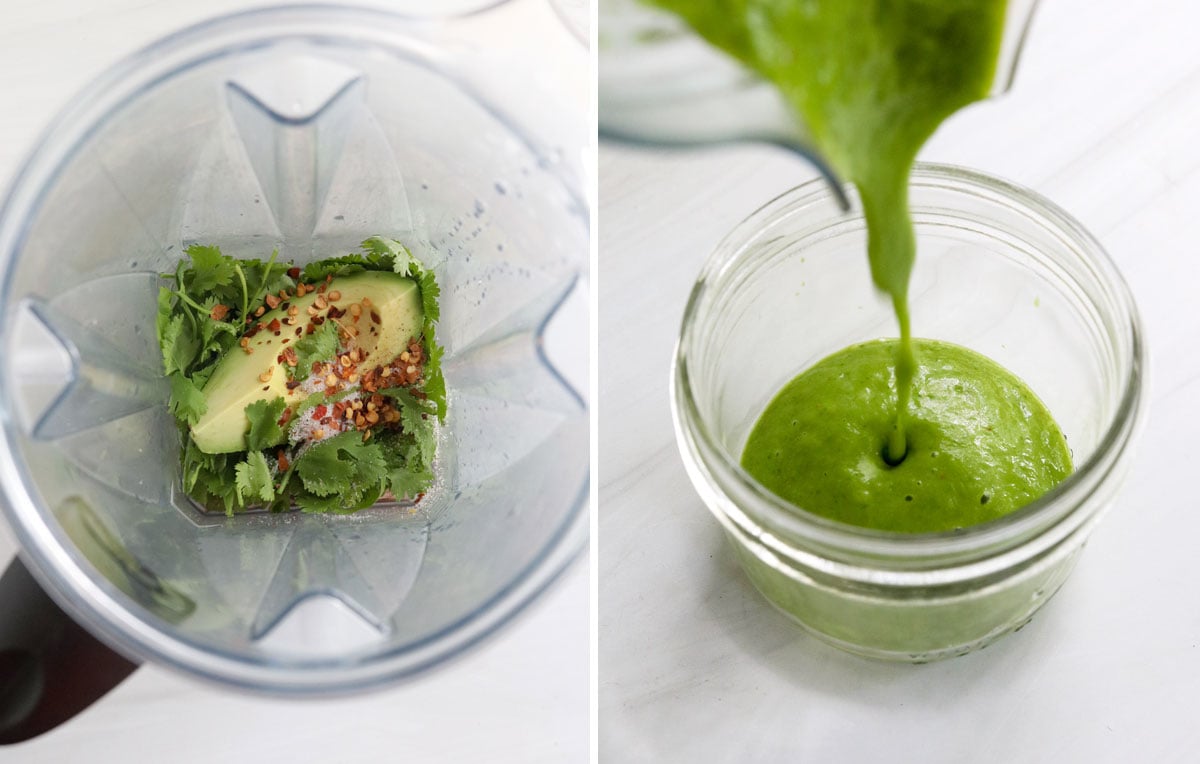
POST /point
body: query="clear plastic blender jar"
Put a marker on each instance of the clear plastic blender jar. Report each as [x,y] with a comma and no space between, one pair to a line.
[305,129]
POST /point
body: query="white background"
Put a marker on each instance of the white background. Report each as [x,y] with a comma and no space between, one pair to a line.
[520,697]
[1104,119]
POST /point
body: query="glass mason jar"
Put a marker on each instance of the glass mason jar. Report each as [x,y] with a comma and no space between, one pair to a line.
[1000,270]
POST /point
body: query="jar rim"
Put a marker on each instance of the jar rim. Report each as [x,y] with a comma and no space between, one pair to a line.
[772,517]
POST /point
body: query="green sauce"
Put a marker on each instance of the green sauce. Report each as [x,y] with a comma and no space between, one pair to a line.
[871,81]
[980,443]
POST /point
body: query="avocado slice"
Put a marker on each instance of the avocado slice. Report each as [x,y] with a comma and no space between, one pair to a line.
[391,318]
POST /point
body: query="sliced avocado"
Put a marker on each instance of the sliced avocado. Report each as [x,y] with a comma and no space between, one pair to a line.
[391,318]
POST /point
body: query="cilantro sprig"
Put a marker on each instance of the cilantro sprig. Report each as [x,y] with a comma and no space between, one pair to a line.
[203,310]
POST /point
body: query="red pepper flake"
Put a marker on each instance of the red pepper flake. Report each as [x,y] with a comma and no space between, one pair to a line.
[283,461]
[293,384]
[308,329]
[374,317]
[286,340]
[320,411]
[293,272]
[274,325]
[287,415]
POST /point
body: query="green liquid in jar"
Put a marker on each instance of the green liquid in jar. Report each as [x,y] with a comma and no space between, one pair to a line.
[980,442]
[871,81]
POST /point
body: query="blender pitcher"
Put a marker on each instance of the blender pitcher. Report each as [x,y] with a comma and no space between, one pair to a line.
[306,129]
[661,85]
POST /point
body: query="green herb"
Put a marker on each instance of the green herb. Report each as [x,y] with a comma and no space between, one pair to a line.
[203,310]
[265,430]
[316,347]
[254,478]
[192,331]
[342,465]
[187,402]
[417,442]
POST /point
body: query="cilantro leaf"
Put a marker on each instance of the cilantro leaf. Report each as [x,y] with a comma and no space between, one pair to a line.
[193,463]
[264,429]
[378,255]
[430,292]
[369,460]
[391,253]
[409,474]
[166,307]
[312,503]
[187,401]
[414,414]
[369,496]
[409,481]
[216,480]
[339,266]
[215,335]
[321,468]
[209,268]
[411,451]
[253,479]
[320,346]
[434,386]
[343,465]
[179,344]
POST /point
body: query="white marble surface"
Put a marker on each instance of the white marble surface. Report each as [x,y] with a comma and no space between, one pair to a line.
[695,666]
[520,697]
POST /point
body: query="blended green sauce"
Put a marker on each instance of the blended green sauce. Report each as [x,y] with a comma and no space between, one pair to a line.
[980,443]
[872,80]
[867,436]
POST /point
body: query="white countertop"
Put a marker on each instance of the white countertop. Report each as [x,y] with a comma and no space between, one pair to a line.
[522,696]
[1104,119]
